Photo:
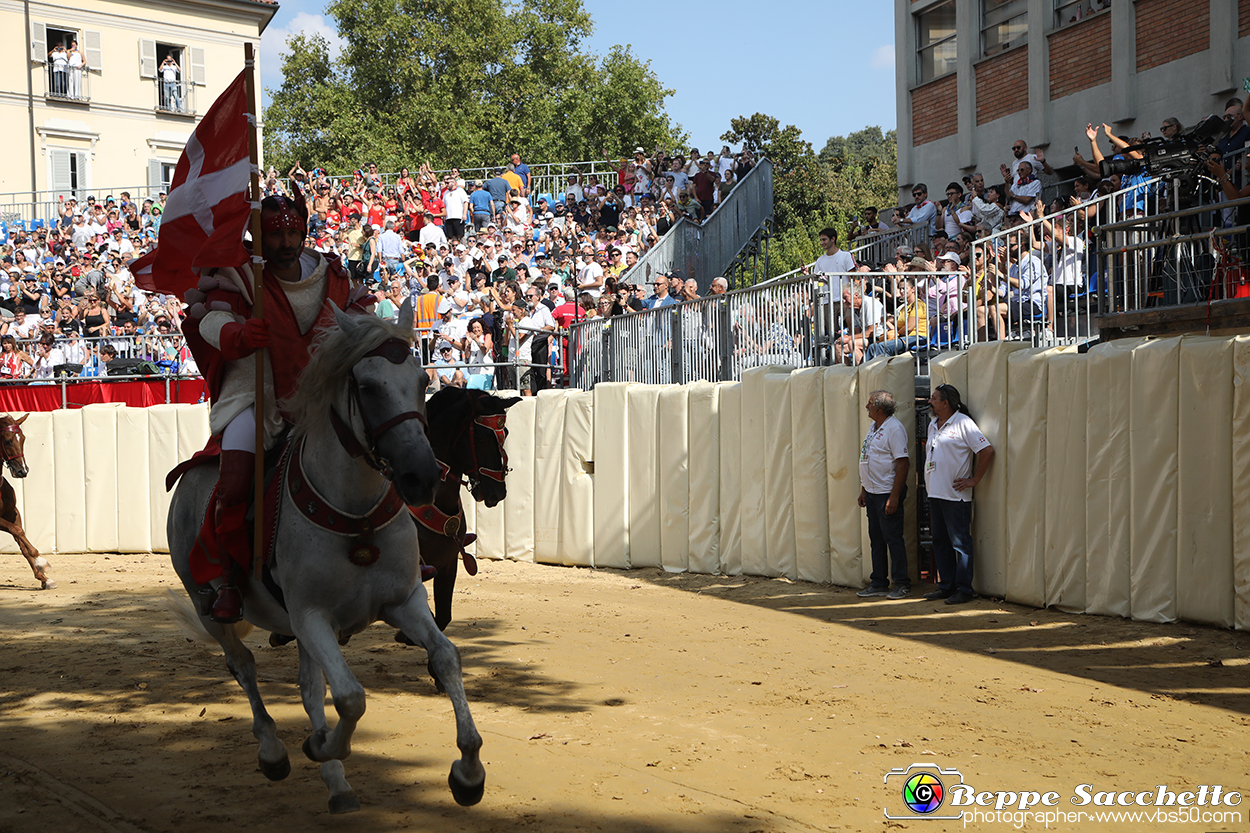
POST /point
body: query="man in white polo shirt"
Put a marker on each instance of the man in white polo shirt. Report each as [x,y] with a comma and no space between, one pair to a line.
[884,462]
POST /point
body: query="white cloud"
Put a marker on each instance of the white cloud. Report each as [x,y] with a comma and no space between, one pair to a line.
[273,43]
[882,57]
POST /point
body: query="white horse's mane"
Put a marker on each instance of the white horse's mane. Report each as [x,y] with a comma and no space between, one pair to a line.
[335,352]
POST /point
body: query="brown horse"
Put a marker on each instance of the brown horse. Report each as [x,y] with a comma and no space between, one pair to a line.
[467,434]
[13,454]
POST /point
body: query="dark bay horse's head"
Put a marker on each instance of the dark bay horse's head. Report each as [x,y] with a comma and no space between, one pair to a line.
[467,432]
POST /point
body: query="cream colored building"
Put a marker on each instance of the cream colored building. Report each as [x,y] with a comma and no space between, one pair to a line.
[120,120]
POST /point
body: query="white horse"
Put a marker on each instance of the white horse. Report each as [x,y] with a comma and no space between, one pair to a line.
[360,446]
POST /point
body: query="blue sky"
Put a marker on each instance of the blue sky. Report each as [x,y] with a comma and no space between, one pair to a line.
[827,68]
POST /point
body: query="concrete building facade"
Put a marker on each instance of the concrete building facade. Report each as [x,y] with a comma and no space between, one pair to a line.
[120,113]
[975,75]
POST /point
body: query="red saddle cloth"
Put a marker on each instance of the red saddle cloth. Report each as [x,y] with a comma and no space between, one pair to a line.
[206,563]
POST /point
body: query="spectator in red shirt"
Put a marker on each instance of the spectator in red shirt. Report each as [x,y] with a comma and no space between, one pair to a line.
[705,186]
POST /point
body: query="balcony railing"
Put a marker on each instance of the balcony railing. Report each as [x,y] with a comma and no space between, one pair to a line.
[62,83]
[174,96]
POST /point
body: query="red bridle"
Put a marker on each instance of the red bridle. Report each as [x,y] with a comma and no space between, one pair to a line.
[494,423]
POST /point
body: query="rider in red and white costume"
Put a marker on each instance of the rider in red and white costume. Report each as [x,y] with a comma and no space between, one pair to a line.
[299,285]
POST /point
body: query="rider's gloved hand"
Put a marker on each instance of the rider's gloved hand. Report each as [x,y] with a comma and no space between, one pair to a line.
[240,340]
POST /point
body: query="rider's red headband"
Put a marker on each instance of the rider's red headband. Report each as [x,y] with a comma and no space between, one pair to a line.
[285,217]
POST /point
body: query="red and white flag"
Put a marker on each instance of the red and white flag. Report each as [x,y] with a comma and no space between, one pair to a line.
[207,212]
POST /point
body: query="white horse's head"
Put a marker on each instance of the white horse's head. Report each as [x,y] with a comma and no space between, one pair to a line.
[362,372]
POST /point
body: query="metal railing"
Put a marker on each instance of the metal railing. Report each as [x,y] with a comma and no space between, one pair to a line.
[174,96]
[141,356]
[704,252]
[66,83]
[877,248]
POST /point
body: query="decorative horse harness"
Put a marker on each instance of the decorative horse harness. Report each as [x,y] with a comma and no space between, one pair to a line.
[17,459]
[361,528]
[453,526]
[316,508]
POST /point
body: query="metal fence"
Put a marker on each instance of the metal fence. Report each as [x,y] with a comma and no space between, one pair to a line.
[66,83]
[881,247]
[706,251]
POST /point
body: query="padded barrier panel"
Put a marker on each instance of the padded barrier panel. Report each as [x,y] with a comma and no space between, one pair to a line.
[1027,389]
[756,421]
[642,404]
[1204,487]
[842,444]
[519,507]
[71,492]
[950,369]
[897,374]
[193,430]
[1153,469]
[36,492]
[704,443]
[549,474]
[986,397]
[1066,481]
[779,549]
[611,459]
[133,484]
[811,500]
[1107,535]
[162,457]
[674,476]
[730,408]
[1241,482]
[577,496]
[100,464]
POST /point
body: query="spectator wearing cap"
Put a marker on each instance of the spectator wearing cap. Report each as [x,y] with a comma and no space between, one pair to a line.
[448,374]
[504,273]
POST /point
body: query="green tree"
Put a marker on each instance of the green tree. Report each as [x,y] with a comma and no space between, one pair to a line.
[422,80]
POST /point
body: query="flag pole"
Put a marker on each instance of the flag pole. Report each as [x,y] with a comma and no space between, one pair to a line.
[258,307]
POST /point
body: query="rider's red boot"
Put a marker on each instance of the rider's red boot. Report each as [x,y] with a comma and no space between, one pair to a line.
[234,544]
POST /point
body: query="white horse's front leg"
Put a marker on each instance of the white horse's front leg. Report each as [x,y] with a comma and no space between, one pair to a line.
[319,647]
[272,756]
[468,777]
[312,688]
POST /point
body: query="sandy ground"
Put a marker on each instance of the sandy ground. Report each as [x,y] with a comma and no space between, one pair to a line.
[637,702]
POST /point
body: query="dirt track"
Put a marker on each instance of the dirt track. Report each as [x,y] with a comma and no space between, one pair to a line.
[638,702]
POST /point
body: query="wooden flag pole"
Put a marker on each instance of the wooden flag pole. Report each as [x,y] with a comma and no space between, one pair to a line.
[258,308]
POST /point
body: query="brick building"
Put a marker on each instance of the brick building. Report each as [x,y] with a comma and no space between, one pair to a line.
[975,75]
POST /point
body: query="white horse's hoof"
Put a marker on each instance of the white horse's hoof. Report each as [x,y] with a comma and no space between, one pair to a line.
[49,584]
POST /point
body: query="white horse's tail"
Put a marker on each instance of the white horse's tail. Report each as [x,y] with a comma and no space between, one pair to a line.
[189,622]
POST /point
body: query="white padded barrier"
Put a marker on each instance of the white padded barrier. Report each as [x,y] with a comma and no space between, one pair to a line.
[730,409]
[611,489]
[133,485]
[549,473]
[490,523]
[1241,482]
[642,406]
[986,397]
[775,439]
[100,460]
[756,411]
[674,476]
[193,430]
[519,507]
[1066,480]
[842,444]
[704,443]
[950,369]
[1027,388]
[1204,489]
[1152,450]
[1107,507]
[577,501]
[71,492]
[162,457]
[811,500]
[897,374]
[36,492]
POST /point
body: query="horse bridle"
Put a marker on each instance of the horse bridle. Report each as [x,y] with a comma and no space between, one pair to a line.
[495,424]
[395,351]
[15,430]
